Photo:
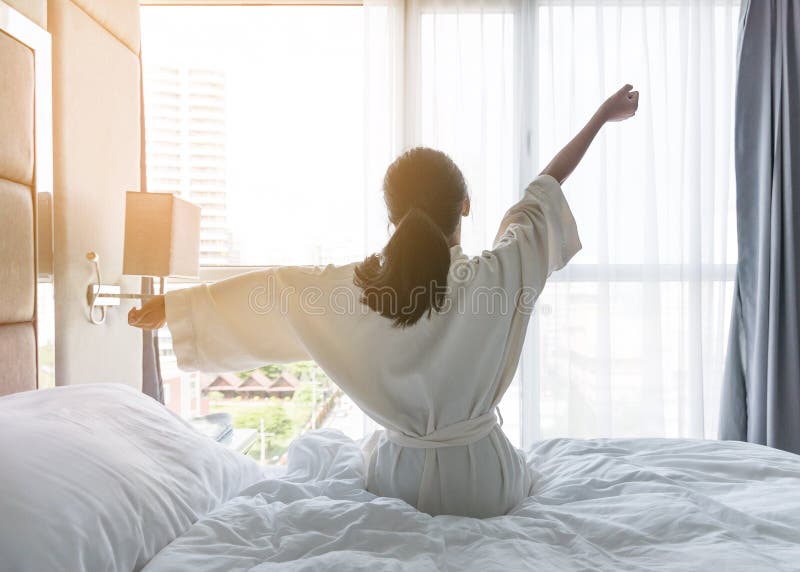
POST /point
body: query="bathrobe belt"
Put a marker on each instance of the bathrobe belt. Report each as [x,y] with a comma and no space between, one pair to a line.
[461,433]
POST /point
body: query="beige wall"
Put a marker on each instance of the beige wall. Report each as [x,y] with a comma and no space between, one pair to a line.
[96,160]
[36,10]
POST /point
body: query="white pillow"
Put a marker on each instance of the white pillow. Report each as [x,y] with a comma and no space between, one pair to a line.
[101,477]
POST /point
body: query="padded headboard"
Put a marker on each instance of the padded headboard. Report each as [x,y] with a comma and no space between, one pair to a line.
[18,348]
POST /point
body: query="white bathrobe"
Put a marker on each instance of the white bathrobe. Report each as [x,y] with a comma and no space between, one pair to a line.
[434,386]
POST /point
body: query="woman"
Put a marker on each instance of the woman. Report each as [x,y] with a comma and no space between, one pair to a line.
[423,338]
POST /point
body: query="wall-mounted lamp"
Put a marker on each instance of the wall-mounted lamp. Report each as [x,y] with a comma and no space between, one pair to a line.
[162,239]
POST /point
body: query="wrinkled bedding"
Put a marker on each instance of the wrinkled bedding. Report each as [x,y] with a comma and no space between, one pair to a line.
[606,504]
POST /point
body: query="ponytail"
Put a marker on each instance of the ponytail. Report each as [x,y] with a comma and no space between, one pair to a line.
[409,279]
[425,194]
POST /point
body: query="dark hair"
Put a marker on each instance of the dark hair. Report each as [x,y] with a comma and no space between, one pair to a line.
[424,192]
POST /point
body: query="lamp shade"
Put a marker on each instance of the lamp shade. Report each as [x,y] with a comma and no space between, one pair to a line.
[162,236]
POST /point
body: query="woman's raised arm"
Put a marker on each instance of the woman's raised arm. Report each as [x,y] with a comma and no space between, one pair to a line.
[620,106]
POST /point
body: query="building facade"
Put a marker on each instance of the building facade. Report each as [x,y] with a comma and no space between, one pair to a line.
[186,148]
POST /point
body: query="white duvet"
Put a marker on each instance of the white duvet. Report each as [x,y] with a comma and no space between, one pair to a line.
[643,504]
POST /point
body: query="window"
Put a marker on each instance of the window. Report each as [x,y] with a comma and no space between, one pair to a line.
[282,107]
[261,110]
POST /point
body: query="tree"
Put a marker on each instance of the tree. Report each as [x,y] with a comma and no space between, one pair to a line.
[304,370]
[272,371]
[276,421]
[303,394]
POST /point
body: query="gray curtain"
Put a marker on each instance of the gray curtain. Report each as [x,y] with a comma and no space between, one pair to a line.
[152,384]
[761,392]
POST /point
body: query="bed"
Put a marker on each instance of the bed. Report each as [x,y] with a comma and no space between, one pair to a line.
[647,504]
[101,477]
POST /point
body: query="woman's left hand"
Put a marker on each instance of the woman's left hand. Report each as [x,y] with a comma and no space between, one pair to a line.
[621,105]
[151,316]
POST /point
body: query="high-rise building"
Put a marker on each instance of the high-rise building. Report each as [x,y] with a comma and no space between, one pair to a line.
[186,155]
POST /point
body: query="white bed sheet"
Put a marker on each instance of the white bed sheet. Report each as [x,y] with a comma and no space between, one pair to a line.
[643,504]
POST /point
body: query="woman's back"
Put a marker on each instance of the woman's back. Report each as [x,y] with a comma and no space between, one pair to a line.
[440,372]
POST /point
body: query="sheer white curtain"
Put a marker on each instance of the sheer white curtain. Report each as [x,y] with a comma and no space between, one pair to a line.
[629,339]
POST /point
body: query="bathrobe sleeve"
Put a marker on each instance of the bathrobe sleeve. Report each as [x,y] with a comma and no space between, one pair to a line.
[537,236]
[232,325]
